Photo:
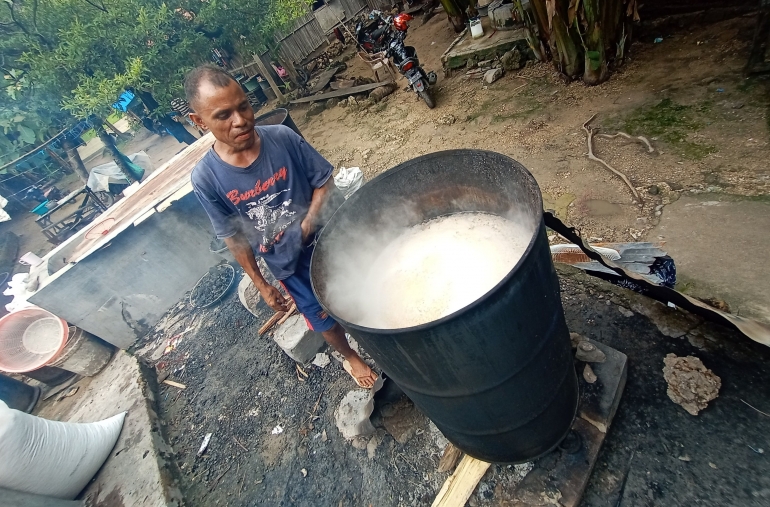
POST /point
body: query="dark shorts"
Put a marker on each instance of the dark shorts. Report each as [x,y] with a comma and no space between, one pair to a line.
[299,288]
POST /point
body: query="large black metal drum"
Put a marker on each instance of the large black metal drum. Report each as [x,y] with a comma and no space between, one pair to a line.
[497,376]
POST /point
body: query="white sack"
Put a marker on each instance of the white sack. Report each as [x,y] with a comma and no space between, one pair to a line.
[52,458]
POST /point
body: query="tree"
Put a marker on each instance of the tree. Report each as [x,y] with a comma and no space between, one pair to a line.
[581,36]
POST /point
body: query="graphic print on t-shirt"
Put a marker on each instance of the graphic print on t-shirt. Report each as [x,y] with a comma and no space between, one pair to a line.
[269,217]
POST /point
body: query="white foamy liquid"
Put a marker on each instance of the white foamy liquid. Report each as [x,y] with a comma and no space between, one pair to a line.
[438,267]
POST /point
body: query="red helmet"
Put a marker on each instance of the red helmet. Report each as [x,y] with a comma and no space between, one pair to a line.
[401,21]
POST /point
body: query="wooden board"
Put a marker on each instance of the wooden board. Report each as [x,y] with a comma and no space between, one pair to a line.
[458,488]
[164,182]
[340,93]
[324,79]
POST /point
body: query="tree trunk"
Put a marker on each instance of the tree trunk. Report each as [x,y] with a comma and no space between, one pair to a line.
[180,133]
[568,51]
[595,69]
[75,161]
[759,42]
[119,158]
[59,161]
[454,12]
[122,136]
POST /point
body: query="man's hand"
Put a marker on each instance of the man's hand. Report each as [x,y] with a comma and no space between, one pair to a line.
[274,298]
[308,228]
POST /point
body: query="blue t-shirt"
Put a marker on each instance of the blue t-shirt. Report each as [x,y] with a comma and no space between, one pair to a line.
[267,200]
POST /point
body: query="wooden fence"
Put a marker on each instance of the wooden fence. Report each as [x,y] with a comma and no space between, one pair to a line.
[306,35]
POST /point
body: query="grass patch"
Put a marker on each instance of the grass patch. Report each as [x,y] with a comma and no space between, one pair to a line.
[671,123]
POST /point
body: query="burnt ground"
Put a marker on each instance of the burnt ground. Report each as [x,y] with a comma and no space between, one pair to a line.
[239,387]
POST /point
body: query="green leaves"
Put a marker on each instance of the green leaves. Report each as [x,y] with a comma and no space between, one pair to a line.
[26,134]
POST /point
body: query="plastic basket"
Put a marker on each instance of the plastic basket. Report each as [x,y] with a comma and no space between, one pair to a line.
[30,338]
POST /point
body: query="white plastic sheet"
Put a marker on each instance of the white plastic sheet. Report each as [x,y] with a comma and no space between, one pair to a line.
[52,458]
[4,216]
[102,175]
[348,180]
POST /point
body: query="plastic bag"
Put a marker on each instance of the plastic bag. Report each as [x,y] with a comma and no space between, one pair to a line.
[348,180]
[52,458]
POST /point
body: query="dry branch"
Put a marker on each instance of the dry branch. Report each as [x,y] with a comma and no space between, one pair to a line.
[640,139]
[590,133]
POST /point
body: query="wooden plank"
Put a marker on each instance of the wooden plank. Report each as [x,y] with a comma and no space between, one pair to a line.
[458,488]
[340,93]
[158,186]
[175,384]
[324,79]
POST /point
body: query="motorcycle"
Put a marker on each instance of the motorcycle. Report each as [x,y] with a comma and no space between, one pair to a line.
[406,61]
[372,36]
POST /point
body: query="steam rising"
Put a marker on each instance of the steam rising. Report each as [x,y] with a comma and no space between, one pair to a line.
[401,276]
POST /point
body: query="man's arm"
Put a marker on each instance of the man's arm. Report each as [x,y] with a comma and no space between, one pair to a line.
[241,250]
[313,218]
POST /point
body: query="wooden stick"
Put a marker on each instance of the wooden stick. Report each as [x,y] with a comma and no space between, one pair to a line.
[270,323]
[175,384]
[291,312]
[641,139]
[458,488]
[590,133]
[449,458]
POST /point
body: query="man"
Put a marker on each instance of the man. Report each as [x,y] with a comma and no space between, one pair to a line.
[264,189]
[182,108]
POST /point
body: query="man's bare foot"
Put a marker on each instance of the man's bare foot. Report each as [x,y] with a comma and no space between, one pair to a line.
[360,371]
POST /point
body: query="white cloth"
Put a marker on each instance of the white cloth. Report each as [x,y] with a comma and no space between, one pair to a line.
[348,180]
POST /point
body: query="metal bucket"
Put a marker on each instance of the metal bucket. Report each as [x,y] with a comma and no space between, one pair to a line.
[496,377]
[84,354]
[279,116]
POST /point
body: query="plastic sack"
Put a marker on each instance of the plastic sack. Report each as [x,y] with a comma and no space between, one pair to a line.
[52,458]
[101,176]
[348,180]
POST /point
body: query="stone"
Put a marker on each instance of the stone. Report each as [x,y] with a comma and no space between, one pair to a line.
[512,60]
[625,312]
[332,103]
[690,384]
[492,75]
[374,442]
[653,190]
[299,342]
[321,360]
[588,374]
[402,420]
[343,103]
[315,108]
[669,321]
[446,119]
[352,414]
[576,338]
[589,353]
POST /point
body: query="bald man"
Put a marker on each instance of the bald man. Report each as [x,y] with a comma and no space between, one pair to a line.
[267,192]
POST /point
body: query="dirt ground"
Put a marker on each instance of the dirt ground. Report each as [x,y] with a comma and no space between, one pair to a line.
[240,387]
[707,123]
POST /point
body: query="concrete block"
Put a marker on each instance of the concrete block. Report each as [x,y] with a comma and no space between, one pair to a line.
[137,471]
[352,415]
[299,342]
